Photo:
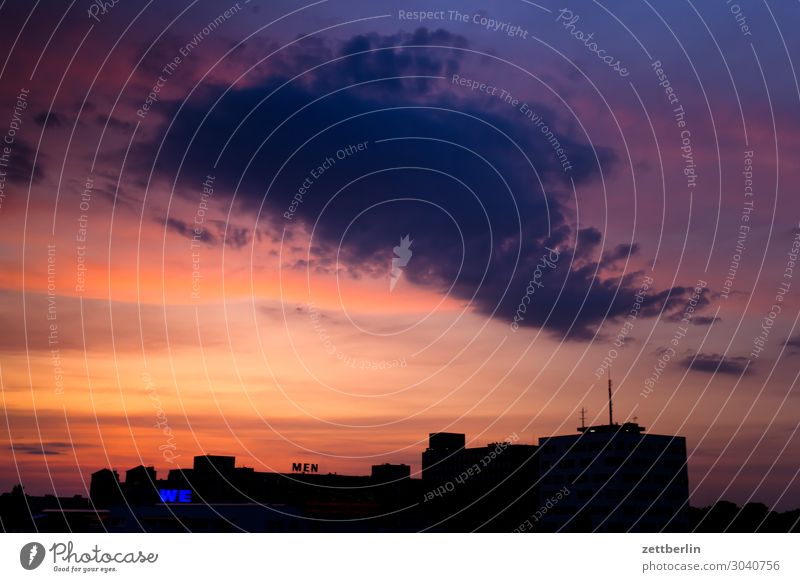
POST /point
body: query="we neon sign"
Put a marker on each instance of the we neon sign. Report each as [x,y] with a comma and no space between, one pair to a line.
[175,495]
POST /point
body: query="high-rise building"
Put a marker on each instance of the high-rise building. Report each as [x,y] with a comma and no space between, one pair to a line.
[477,488]
[105,489]
[612,477]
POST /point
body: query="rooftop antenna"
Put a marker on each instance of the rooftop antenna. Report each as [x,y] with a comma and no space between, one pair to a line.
[610,404]
[583,419]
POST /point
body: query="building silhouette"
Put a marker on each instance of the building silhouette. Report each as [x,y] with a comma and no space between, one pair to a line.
[613,477]
[105,488]
[479,488]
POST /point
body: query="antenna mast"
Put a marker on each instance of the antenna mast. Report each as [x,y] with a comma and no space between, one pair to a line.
[583,418]
[610,404]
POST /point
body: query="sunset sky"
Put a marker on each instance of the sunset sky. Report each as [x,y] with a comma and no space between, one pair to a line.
[168,291]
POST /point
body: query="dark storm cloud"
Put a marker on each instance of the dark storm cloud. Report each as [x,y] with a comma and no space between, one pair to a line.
[588,240]
[691,307]
[480,226]
[619,253]
[21,167]
[186,230]
[233,236]
[114,122]
[44,448]
[368,60]
[793,342]
[716,364]
[51,119]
